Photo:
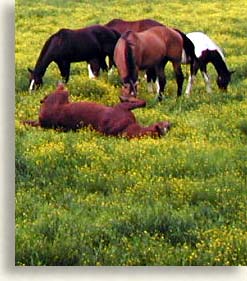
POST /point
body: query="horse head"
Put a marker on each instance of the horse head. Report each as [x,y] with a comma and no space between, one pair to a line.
[35,81]
[59,97]
[224,80]
[129,89]
[162,127]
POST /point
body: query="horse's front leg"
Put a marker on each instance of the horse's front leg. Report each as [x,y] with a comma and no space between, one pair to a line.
[194,66]
[203,69]
[179,77]
[151,78]
[64,67]
[206,79]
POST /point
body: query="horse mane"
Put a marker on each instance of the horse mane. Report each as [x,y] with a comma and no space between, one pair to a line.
[130,58]
[219,63]
[45,48]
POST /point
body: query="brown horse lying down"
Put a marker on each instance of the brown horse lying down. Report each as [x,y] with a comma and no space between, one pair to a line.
[57,112]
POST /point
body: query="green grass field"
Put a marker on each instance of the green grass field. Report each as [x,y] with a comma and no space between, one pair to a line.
[87,199]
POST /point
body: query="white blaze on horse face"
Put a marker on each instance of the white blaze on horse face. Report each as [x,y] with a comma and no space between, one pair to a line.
[31,85]
[90,72]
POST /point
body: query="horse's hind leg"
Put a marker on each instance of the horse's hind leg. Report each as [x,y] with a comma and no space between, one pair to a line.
[161,79]
[151,78]
[93,68]
[179,77]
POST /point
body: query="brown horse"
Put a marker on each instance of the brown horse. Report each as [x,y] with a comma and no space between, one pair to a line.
[57,112]
[150,49]
[122,26]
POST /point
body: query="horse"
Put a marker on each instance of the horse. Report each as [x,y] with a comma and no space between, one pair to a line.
[58,112]
[208,52]
[151,50]
[91,44]
[122,26]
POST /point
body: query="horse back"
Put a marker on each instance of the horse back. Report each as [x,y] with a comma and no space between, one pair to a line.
[138,25]
[164,39]
[153,45]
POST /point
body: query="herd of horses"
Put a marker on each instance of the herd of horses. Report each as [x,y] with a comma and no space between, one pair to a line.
[131,47]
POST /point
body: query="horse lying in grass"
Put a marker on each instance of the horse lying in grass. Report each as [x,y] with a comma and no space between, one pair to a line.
[57,112]
[91,44]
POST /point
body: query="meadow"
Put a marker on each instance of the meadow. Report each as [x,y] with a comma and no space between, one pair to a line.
[86,199]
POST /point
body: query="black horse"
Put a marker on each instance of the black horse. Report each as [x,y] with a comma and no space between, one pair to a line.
[91,44]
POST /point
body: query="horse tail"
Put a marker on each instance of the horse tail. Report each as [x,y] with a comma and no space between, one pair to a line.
[188,47]
[31,123]
[130,58]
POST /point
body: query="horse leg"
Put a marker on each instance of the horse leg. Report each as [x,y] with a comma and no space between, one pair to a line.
[64,67]
[103,64]
[93,68]
[159,69]
[194,66]
[203,68]
[151,78]
[179,77]
[130,103]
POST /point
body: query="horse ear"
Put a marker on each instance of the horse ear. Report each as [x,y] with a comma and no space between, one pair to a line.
[30,70]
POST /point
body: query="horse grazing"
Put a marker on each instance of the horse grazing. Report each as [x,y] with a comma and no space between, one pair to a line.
[122,26]
[149,50]
[208,52]
[91,44]
[57,112]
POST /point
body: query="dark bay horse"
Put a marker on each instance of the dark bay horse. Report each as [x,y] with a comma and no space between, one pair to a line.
[208,52]
[58,112]
[91,44]
[150,49]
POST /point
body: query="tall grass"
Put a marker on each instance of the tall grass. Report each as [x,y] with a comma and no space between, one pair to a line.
[86,199]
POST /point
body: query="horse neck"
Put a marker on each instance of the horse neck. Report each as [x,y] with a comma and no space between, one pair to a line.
[44,59]
[219,63]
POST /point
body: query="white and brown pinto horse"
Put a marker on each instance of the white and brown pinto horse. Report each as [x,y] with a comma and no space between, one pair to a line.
[206,52]
[150,49]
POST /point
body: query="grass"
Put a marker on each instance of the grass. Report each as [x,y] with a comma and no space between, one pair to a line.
[86,199]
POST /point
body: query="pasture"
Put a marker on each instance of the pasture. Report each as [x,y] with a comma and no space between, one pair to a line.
[86,199]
